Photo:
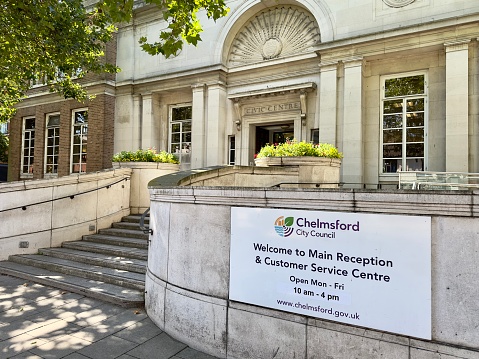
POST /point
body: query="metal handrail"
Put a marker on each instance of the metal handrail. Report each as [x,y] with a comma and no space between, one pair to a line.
[146,230]
[64,197]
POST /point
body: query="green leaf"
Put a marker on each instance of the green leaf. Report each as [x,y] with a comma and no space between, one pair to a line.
[289,221]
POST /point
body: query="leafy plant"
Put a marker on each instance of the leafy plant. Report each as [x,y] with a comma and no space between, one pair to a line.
[295,148]
[149,155]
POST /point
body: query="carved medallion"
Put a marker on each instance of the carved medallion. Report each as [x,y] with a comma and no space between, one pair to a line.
[398,3]
[274,33]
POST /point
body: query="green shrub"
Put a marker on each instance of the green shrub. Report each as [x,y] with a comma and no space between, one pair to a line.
[149,155]
[294,148]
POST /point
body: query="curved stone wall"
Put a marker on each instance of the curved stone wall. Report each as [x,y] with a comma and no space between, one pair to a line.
[189,261]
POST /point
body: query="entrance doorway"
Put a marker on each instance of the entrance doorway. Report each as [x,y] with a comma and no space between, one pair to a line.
[273,134]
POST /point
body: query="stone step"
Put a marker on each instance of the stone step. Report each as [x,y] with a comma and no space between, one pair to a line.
[117,240]
[135,218]
[125,297]
[127,225]
[107,260]
[99,273]
[119,232]
[108,249]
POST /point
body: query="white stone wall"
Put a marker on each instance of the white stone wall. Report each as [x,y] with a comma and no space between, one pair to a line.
[51,217]
[340,79]
[188,276]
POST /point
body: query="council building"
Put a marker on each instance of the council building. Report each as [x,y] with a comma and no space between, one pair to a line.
[392,83]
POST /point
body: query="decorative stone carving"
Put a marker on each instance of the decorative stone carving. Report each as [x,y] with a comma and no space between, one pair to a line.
[274,33]
[398,3]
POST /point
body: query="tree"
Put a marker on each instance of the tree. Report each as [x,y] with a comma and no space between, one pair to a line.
[54,42]
[3,148]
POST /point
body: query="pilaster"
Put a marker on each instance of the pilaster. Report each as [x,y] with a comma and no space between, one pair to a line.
[215,124]
[198,137]
[328,103]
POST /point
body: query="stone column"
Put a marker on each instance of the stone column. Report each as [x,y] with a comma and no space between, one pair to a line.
[198,127]
[150,127]
[457,106]
[353,162]
[328,103]
[215,124]
[136,124]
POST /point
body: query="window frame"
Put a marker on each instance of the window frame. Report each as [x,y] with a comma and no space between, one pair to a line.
[32,157]
[47,116]
[81,163]
[404,142]
[232,150]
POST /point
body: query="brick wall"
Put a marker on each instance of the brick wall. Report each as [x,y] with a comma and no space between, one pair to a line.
[100,135]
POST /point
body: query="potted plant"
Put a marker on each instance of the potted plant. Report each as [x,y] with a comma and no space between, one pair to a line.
[317,163]
[145,166]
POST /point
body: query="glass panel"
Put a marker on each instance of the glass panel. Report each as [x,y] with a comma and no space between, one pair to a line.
[50,141]
[392,121]
[49,151]
[404,86]
[392,151]
[85,129]
[315,136]
[175,137]
[392,136]
[415,164]
[53,121]
[415,119]
[25,169]
[394,106]
[391,166]
[187,137]
[175,148]
[175,127]
[29,123]
[76,158]
[187,126]
[415,135]
[81,117]
[415,150]
[415,104]
[181,113]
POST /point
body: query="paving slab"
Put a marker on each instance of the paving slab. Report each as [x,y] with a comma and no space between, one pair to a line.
[39,322]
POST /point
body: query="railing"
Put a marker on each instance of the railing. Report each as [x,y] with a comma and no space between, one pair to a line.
[438,180]
[71,196]
[145,229]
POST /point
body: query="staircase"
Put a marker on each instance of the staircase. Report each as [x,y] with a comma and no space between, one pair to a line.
[109,265]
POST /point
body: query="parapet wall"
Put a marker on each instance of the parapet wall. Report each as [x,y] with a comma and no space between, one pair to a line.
[47,212]
[188,279]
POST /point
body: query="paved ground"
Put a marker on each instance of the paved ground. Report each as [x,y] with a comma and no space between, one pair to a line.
[41,322]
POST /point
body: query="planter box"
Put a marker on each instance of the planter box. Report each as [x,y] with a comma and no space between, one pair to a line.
[313,171]
[142,173]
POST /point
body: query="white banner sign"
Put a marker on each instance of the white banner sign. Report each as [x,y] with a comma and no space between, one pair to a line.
[368,270]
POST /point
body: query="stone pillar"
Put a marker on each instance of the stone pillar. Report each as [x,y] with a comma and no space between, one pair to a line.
[150,127]
[198,127]
[457,106]
[215,125]
[136,124]
[328,103]
[353,161]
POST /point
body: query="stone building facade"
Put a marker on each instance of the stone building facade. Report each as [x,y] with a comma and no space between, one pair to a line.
[392,83]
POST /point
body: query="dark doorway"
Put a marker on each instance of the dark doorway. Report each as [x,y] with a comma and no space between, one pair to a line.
[273,134]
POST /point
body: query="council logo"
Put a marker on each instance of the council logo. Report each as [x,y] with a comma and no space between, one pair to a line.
[283,226]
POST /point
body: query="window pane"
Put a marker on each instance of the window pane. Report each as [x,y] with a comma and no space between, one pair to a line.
[415,150]
[391,166]
[414,135]
[181,113]
[81,117]
[416,104]
[187,137]
[392,121]
[76,158]
[415,119]
[415,164]
[175,127]
[175,137]
[392,136]
[392,151]
[393,106]
[29,124]
[187,126]
[53,121]
[404,86]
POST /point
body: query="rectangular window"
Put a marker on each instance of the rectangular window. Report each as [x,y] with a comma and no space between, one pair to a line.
[232,152]
[52,143]
[403,125]
[79,141]
[28,147]
[180,134]
[4,128]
